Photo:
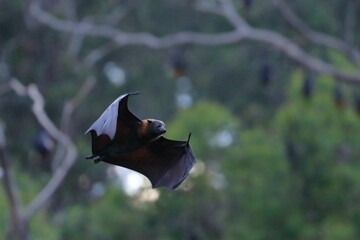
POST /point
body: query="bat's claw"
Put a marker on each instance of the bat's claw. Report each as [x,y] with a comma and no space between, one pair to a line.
[91,157]
[189,138]
[96,160]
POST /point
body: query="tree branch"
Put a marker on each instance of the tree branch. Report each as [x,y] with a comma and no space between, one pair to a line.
[124,38]
[71,105]
[98,53]
[229,11]
[242,31]
[293,51]
[45,194]
[316,37]
[10,191]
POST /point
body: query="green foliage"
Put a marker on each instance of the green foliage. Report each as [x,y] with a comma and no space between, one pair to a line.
[43,227]
[259,187]
[111,217]
[327,158]
[340,60]
[4,215]
[204,120]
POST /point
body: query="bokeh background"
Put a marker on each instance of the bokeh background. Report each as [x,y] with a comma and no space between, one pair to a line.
[268,89]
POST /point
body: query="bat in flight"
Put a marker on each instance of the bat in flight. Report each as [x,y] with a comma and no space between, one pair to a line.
[121,138]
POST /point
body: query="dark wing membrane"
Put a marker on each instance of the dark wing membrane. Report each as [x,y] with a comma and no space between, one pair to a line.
[164,162]
[99,142]
[124,113]
[112,122]
[181,166]
[107,122]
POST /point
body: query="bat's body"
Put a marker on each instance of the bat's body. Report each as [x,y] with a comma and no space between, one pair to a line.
[120,138]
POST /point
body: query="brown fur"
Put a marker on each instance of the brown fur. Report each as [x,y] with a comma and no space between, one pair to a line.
[144,130]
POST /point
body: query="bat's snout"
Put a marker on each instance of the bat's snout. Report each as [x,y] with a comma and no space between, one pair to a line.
[162,130]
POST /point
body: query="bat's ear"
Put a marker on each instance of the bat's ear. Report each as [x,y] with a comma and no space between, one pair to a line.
[149,121]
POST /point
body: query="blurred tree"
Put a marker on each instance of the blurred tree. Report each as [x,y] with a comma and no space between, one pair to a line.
[325,149]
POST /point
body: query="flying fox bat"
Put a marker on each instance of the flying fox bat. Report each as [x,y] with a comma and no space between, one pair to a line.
[338,97]
[121,138]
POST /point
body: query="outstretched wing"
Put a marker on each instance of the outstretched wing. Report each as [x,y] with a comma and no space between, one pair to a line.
[164,162]
[115,117]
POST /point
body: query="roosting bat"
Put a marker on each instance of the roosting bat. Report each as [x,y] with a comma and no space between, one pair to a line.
[338,97]
[308,85]
[120,138]
[266,74]
[179,63]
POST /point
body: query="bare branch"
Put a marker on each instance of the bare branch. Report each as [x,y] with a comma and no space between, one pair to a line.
[230,12]
[75,44]
[72,104]
[54,182]
[224,8]
[18,87]
[115,16]
[71,152]
[208,7]
[10,191]
[83,92]
[76,40]
[293,51]
[242,31]
[316,37]
[98,53]
[124,38]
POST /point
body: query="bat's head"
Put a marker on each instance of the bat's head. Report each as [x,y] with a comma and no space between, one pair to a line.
[156,128]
